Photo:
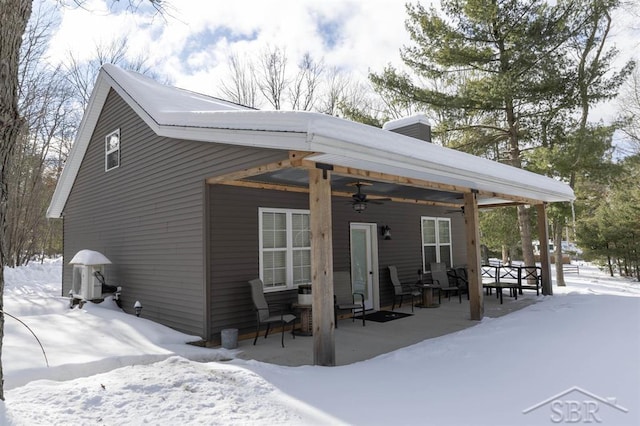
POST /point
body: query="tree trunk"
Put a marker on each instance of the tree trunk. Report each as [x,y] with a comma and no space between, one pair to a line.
[14,15]
[557,241]
[524,222]
[610,265]
[505,255]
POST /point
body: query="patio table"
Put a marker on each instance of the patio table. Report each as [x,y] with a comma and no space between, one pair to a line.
[306,319]
[513,288]
[428,299]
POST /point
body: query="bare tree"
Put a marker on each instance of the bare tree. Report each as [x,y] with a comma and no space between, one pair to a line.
[629,110]
[14,15]
[45,103]
[82,74]
[271,75]
[302,92]
[268,78]
[241,86]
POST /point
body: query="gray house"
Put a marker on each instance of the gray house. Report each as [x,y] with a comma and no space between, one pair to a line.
[190,197]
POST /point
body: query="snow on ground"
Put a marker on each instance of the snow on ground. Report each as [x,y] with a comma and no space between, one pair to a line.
[576,351]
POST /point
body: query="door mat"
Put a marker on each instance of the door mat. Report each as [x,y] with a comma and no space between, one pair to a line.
[383,316]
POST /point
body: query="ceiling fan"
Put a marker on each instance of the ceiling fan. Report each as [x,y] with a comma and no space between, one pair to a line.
[359,199]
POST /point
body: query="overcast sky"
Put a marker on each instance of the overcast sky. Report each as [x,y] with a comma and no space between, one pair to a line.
[191,45]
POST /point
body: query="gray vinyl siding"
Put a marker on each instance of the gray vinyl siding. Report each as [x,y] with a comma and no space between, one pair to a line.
[235,253]
[148,215]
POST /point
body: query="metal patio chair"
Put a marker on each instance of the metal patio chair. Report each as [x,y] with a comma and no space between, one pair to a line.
[344,298]
[401,291]
[263,313]
[441,277]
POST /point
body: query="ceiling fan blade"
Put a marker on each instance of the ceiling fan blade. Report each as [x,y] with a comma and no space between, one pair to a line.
[378,200]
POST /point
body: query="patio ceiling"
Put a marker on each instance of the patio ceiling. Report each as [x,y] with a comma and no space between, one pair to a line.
[292,176]
[342,185]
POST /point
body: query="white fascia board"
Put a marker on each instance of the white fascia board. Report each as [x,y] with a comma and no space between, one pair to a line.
[407,156]
[479,184]
[264,129]
[79,148]
[248,138]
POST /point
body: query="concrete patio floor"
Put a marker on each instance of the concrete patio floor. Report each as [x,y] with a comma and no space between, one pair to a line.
[355,343]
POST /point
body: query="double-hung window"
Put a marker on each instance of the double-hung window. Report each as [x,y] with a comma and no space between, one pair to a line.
[112,150]
[285,248]
[436,241]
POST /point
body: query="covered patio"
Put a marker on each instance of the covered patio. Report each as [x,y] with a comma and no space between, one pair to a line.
[355,343]
[432,176]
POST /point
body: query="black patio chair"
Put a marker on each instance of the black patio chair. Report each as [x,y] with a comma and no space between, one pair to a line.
[263,313]
[459,275]
[440,276]
[400,290]
[344,298]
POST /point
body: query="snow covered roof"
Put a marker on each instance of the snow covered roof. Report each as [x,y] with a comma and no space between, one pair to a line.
[182,114]
[405,121]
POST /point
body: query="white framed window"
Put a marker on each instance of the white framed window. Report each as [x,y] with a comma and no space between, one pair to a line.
[285,248]
[436,241]
[112,150]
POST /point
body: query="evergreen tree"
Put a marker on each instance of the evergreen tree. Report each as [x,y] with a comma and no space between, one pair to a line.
[503,74]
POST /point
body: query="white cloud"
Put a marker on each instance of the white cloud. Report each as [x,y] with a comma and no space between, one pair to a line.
[191,45]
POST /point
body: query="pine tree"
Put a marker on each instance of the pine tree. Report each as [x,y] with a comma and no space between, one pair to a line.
[503,74]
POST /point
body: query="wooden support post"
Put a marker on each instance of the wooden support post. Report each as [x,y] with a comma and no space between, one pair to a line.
[543,236]
[324,350]
[474,274]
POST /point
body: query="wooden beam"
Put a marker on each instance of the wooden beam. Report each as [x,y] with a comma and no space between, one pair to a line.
[264,185]
[253,171]
[517,200]
[400,180]
[296,157]
[474,273]
[292,188]
[385,177]
[543,236]
[324,348]
[499,205]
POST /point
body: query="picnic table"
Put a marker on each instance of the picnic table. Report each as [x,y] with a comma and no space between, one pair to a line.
[514,277]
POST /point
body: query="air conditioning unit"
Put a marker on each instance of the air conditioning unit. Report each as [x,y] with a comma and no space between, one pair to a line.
[85,284]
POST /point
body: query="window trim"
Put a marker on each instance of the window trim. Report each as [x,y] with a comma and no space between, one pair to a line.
[107,152]
[289,248]
[437,244]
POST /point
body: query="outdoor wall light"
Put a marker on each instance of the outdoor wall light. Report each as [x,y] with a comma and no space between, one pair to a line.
[137,307]
[386,232]
[359,206]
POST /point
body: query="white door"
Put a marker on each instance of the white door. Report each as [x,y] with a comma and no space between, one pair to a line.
[364,262]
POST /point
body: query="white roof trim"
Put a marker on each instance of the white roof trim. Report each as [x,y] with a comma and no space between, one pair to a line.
[181,114]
